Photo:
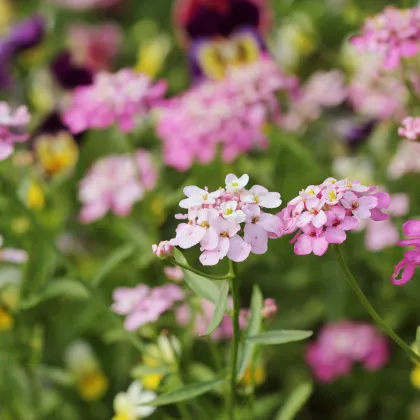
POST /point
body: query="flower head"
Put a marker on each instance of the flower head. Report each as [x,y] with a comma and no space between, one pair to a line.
[123,98]
[323,214]
[405,269]
[115,183]
[410,128]
[394,34]
[342,344]
[215,221]
[12,128]
[143,305]
[232,113]
[129,405]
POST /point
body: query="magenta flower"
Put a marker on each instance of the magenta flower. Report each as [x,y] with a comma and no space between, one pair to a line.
[215,219]
[232,113]
[115,183]
[393,34]
[12,128]
[322,214]
[124,98]
[143,305]
[174,273]
[410,128]
[342,344]
[405,269]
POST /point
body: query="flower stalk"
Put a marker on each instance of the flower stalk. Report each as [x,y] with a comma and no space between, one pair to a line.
[365,302]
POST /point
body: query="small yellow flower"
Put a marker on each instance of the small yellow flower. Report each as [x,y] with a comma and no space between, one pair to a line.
[56,153]
[6,320]
[151,381]
[151,55]
[259,376]
[93,385]
[35,198]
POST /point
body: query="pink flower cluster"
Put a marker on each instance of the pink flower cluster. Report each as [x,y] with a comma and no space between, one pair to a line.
[342,344]
[94,47]
[405,269]
[323,90]
[12,128]
[232,113]
[202,320]
[394,33]
[124,98]
[143,305]
[410,128]
[323,213]
[215,220]
[114,183]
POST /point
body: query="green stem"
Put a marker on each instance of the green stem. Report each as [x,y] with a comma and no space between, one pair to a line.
[365,302]
[234,286]
[209,276]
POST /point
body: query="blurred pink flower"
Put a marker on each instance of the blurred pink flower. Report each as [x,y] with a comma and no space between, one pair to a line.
[323,213]
[269,309]
[17,256]
[12,128]
[340,345]
[232,113]
[174,273]
[203,317]
[94,47]
[114,183]
[405,269]
[406,160]
[143,305]
[124,98]
[322,90]
[393,34]
[410,128]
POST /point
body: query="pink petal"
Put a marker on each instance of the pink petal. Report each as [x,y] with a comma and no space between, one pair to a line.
[335,235]
[257,237]
[349,223]
[189,235]
[210,240]
[270,223]
[407,273]
[377,215]
[238,249]
[319,245]
[412,228]
[320,219]
[304,219]
[213,257]
[384,200]
[303,245]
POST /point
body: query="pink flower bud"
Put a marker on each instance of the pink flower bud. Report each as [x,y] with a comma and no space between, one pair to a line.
[269,309]
[163,250]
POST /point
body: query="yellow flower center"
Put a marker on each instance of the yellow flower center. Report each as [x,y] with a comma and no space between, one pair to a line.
[205,197]
[93,385]
[229,211]
[205,224]
[235,184]
[332,195]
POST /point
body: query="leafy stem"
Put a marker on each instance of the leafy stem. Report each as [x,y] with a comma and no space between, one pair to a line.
[365,302]
[198,272]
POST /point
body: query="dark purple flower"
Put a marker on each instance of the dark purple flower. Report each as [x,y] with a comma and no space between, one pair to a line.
[69,75]
[6,53]
[27,33]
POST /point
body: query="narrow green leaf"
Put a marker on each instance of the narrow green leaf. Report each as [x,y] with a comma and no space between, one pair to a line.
[219,309]
[186,393]
[57,375]
[295,402]
[121,335]
[254,327]
[418,340]
[200,285]
[112,261]
[278,337]
[66,288]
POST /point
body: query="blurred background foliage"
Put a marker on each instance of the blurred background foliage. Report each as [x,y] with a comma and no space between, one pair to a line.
[310,291]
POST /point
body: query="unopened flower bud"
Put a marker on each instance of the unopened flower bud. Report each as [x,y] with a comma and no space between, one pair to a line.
[163,250]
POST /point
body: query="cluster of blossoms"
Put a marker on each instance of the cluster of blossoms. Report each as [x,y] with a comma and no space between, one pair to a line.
[410,128]
[342,344]
[394,34]
[12,128]
[323,213]
[115,183]
[202,320]
[322,90]
[143,305]
[124,98]
[411,258]
[215,218]
[232,113]
[406,160]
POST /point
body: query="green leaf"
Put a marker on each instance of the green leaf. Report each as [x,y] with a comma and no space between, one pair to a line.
[200,285]
[254,327]
[121,335]
[186,393]
[57,375]
[295,402]
[141,370]
[278,337]
[66,288]
[219,309]
[418,340]
[112,261]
